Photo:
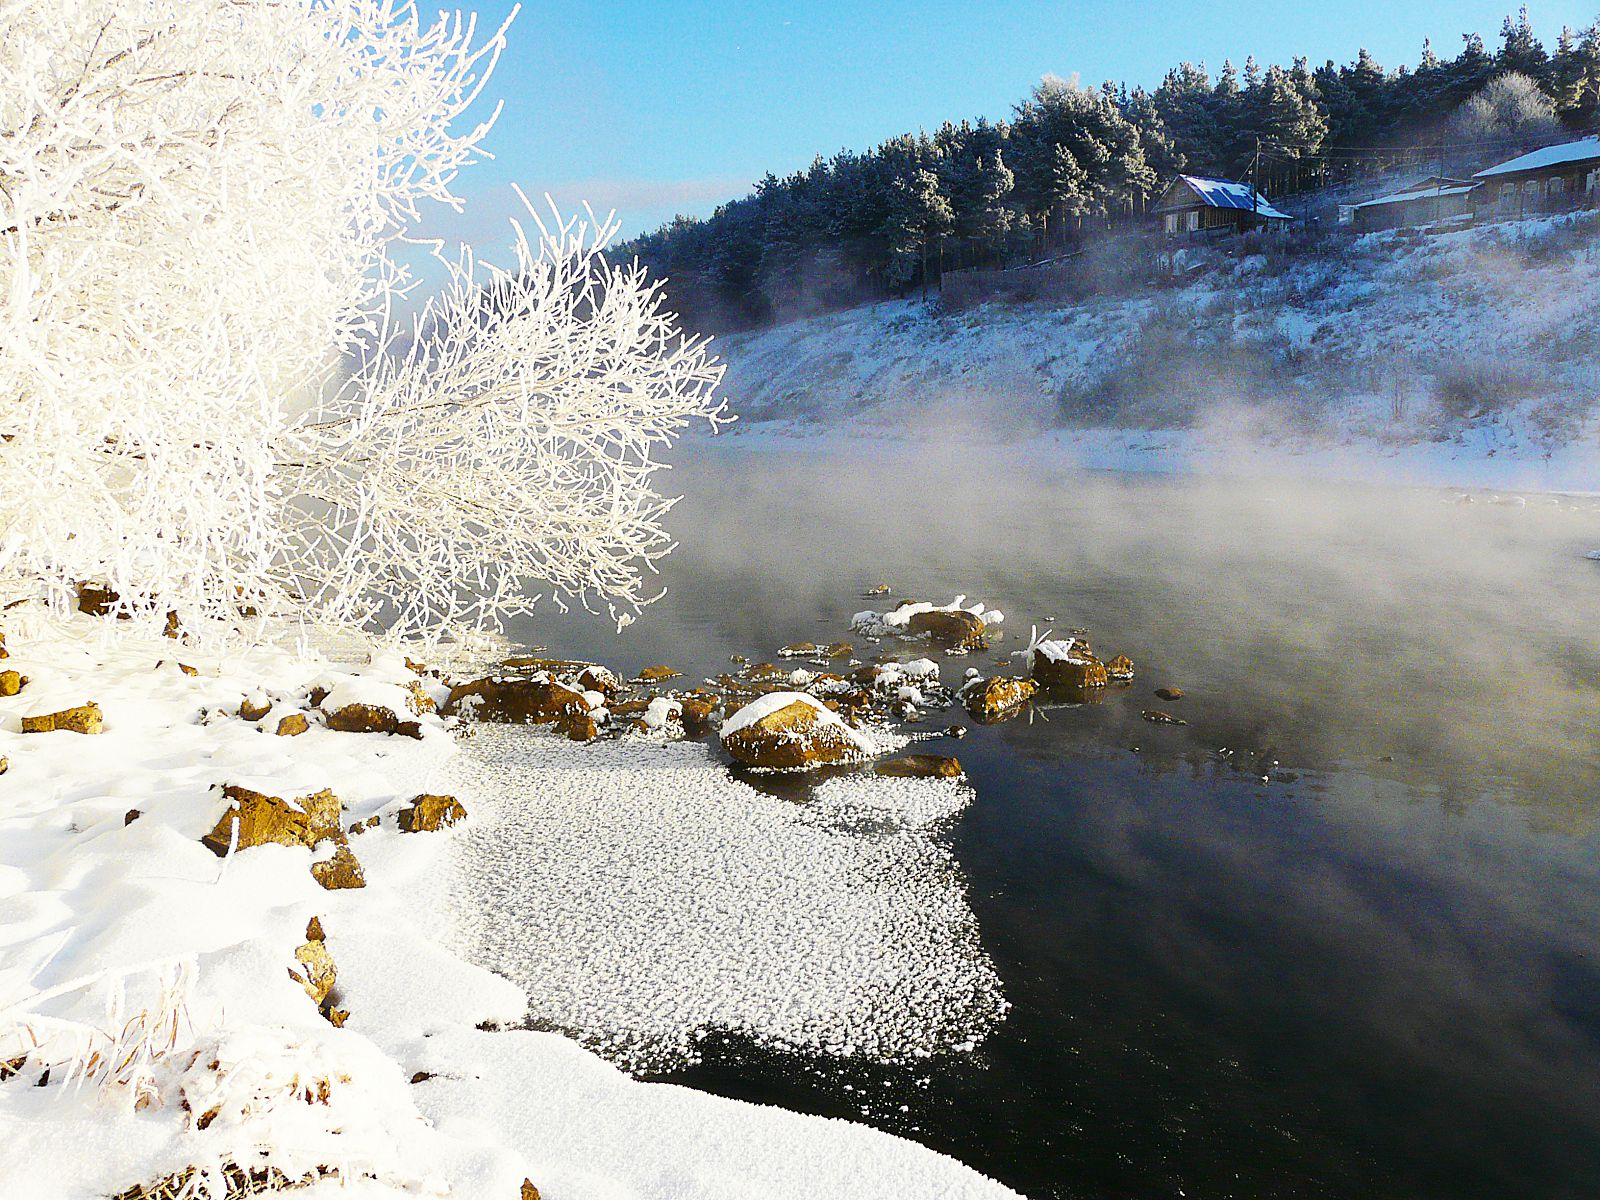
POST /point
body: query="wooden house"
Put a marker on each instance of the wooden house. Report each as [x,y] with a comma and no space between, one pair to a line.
[1429,201]
[1196,207]
[1552,179]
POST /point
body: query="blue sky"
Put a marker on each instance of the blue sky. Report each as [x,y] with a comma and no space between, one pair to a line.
[675,105]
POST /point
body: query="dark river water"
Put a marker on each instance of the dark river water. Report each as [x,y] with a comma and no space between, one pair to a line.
[1338,936]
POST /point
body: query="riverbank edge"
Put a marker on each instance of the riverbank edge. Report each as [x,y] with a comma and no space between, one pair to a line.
[431,1095]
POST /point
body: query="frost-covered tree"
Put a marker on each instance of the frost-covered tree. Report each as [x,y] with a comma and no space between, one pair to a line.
[1509,108]
[203,402]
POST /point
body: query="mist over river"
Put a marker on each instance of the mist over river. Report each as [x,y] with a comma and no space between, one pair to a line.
[1337,936]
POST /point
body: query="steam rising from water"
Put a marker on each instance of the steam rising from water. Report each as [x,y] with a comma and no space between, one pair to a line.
[1329,624]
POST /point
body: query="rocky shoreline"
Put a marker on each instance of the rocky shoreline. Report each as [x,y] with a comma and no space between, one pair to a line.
[230,846]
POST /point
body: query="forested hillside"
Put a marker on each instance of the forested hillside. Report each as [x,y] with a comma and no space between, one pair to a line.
[1074,159]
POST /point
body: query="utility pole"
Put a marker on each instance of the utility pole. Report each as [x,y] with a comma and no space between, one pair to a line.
[1255,190]
[1438,192]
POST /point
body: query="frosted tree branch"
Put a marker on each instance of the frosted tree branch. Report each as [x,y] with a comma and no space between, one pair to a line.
[203,401]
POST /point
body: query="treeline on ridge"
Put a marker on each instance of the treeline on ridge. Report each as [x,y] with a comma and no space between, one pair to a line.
[864,226]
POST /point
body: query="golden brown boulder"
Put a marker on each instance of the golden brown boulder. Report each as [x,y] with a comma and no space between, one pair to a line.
[1120,668]
[429,814]
[251,710]
[515,701]
[340,871]
[579,728]
[798,649]
[417,698]
[599,679]
[920,766]
[697,713]
[529,1192]
[789,731]
[1169,693]
[304,821]
[997,698]
[560,668]
[657,674]
[95,600]
[317,973]
[293,725]
[83,718]
[1066,664]
[11,682]
[371,718]
[951,628]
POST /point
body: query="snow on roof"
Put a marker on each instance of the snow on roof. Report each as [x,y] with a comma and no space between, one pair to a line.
[1415,192]
[1579,151]
[1224,193]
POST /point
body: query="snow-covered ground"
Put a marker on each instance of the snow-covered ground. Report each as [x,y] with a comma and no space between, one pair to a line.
[1470,358]
[151,1022]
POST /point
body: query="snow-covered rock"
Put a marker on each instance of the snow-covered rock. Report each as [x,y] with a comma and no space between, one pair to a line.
[790,731]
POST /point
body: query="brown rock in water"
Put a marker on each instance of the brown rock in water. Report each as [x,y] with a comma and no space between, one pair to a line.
[920,766]
[262,819]
[1156,717]
[839,650]
[794,736]
[579,728]
[997,698]
[1078,669]
[600,679]
[340,871]
[951,628]
[429,814]
[697,714]
[84,718]
[798,649]
[1169,693]
[1120,668]
[371,718]
[657,674]
[293,725]
[12,682]
[515,701]
[250,711]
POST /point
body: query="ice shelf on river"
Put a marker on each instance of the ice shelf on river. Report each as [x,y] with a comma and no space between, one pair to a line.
[642,895]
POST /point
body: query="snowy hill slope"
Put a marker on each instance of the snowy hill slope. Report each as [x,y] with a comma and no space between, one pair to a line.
[1479,343]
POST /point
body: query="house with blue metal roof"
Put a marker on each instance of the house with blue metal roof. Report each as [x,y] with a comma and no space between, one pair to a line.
[1194,206]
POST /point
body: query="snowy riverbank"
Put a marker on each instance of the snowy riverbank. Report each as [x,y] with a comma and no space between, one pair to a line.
[1463,360]
[147,985]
